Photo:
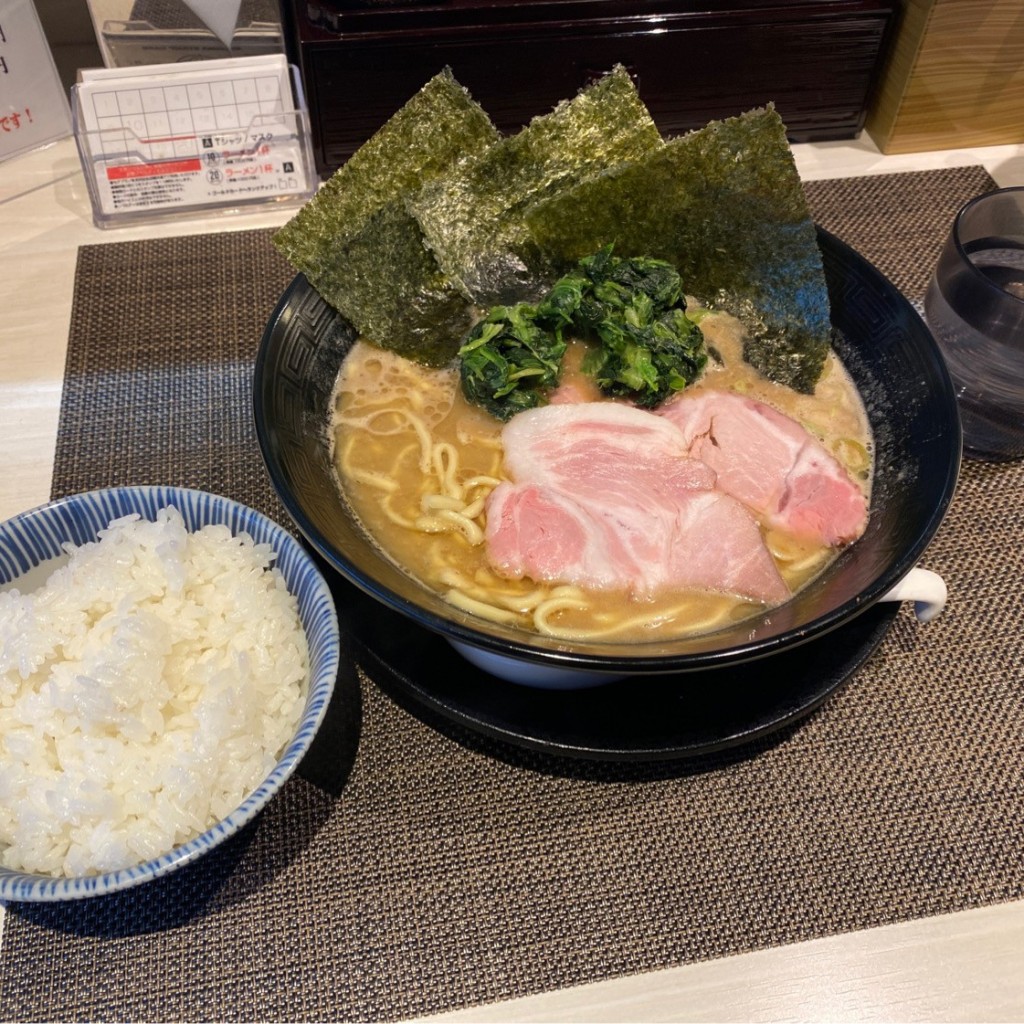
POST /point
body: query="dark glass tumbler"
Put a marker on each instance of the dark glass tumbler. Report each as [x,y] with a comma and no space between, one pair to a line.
[975,309]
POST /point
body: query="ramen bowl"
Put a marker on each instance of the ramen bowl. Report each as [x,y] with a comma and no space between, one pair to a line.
[884,345]
[32,547]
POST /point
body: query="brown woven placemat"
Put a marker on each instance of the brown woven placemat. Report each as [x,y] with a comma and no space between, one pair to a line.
[411,871]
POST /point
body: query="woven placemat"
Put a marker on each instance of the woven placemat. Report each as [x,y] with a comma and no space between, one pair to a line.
[410,871]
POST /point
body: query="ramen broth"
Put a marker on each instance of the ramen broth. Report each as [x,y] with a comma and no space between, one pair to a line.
[416,462]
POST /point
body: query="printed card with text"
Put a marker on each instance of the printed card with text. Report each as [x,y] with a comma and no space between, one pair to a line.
[161,139]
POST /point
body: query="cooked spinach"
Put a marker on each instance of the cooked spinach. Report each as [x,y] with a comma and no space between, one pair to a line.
[646,357]
[633,311]
[647,347]
[508,360]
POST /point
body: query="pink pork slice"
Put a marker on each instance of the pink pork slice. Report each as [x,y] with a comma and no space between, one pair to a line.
[772,464]
[603,495]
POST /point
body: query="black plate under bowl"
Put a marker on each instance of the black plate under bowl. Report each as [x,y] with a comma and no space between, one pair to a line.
[644,718]
[884,344]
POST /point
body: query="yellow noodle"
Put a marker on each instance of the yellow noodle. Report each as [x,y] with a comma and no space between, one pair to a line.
[438,555]
[481,608]
[451,577]
[447,521]
[639,624]
[784,547]
[511,599]
[543,612]
[395,517]
[426,442]
[705,624]
[418,426]
[476,587]
[804,565]
[430,502]
[431,524]
[472,439]
[567,598]
[403,454]
[341,449]
[795,559]
[522,603]
[381,483]
[367,422]
[445,461]
[481,480]
[473,509]
[366,476]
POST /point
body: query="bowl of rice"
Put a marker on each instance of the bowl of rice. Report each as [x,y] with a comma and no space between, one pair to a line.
[166,659]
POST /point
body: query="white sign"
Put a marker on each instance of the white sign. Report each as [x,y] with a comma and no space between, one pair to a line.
[33,105]
[162,137]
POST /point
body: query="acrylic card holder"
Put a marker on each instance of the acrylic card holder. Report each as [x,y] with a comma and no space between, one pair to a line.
[168,141]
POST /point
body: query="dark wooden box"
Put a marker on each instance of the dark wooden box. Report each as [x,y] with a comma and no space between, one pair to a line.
[817,60]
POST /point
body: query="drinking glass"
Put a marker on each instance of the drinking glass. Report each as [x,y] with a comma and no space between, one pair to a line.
[975,308]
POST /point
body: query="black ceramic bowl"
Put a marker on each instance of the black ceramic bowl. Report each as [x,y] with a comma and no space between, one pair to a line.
[881,339]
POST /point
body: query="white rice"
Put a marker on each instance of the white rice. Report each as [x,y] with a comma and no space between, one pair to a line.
[145,691]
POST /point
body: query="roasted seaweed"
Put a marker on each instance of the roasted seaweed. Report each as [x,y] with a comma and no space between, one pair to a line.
[437,212]
[359,248]
[725,206]
[472,217]
[411,308]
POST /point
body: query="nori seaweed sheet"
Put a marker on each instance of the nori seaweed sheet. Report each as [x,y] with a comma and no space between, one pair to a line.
[331,239]
[725,205]
[398,295]
[472,217]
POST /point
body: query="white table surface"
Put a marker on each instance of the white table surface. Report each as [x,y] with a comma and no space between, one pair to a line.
[957,967]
